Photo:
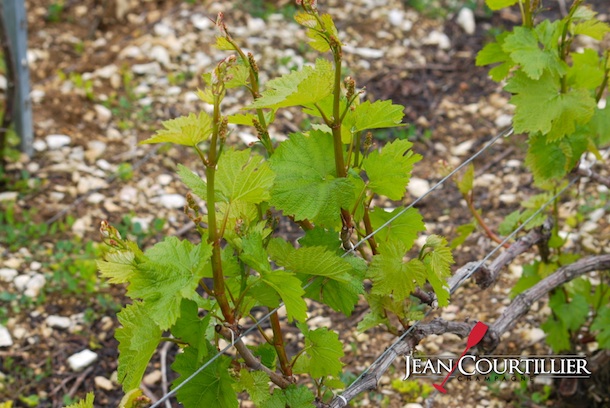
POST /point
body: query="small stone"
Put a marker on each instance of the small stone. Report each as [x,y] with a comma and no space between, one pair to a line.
[412,405]
[152,68]
[131,51]
[34,285]
[7,275]
[104,165]
[57,141]
[96,198]
[39,145]
[37,95]
[418,187]
[200,22]
[5,337]
[95,149]
[161,30]
[107,323]
[439,39]
[106,72]
[9,196]
[465,19]
[103,113]
[86,184]
[508,198]
[503,121]
[128,194]
[20,282]
[533,335]
[597,215]
[462,148]
[160,54]
[256,25]
[172,201]
[364,52]
[35,266]
[103,383]
[58,322]
[396,17]
[152,378]
[80,226]
[143,221]
[79,361]
[164,179]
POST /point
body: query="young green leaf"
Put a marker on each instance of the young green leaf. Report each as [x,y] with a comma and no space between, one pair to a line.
[191,328]
[322,353]
[602,323]
[212,387]
[389,170]
[298,88]
[405,228]
[186,130]
[522,45]
[557,335]
[500,4]
[293,397]
[86,403]
[493,53]
[322,237]
[172,273]
[118,267]
[306,184]
[465,183]
[377,115]
[243,176]
[193,181]
[255,383]
[437,263]
[138,339]
[573,313]
[540,107]
[391,275]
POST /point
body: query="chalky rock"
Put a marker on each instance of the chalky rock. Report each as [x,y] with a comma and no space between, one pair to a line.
[58,322]
[57,141]
[9,196]
[81,360]
[103,383]
[465,19]
[34,285]
[5,337]
[172,201]
[152,68]
[7,274]
[418,187]
[441,40]
[103,113]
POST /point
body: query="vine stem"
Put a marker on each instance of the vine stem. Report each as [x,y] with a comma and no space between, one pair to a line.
[481,221]
[213,234]
[278,344]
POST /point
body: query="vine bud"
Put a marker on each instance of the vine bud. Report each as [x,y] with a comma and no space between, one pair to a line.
[252,63]
[350,86]
[368,141]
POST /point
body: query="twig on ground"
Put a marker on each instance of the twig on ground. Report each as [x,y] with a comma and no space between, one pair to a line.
[594,176]
[79,381]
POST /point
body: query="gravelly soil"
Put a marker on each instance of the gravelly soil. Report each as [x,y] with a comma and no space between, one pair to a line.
[108,81]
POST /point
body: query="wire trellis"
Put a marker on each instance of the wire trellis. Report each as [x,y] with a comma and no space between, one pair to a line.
[505,133]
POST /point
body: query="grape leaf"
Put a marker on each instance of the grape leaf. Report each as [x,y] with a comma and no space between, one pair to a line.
[377,115]
[540,107]
[316,261]
[389,170]
[255,383]
[171,273]
[322,353]
[118,266]
[223,44]
[298,88]
[212,387]
[465,183]
[138,339]
[593,28]
[191,328]
[243,177]
[404,228]
[600,126]
[500,4]
[557,336]
[437,263]
[573,313]
[306,185]
[391,275]
[322,237]
[522,45]
[547,161]
[529,277]
[463,232]
[376,314]
[283,283]
[84,403]
[586,71]
[493,53]
[248,118]
[186,130]
[193,181]
[602,323]
[509,223]
[293,397]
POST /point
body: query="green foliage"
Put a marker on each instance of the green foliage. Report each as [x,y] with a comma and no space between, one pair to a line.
[326,178]
[86,403]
